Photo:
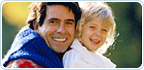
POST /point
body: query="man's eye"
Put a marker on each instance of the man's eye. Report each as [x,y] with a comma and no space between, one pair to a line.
[70,23]
[52,21]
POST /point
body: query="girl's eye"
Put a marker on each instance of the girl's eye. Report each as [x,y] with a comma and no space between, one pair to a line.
[104,30]
[91,26]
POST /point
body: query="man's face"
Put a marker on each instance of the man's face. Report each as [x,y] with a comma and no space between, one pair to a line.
[58,28]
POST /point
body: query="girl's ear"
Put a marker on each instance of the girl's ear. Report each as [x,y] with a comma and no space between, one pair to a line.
[35,26]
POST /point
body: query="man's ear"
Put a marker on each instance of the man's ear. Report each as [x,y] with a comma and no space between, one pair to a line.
[35,26]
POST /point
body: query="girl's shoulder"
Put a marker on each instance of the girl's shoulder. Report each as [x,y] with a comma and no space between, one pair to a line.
[71,54]
[108,63]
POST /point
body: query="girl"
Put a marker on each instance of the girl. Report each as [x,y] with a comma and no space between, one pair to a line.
[95,32]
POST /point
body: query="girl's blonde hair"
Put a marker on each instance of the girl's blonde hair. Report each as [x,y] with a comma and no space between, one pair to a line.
[103,13]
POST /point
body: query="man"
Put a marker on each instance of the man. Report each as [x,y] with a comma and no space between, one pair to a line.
[50,33]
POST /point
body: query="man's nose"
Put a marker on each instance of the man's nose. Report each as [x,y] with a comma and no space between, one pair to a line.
[61,28]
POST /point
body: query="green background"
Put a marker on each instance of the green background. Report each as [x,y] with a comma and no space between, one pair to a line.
[127,49]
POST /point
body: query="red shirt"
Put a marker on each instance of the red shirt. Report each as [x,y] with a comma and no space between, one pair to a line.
[22,63]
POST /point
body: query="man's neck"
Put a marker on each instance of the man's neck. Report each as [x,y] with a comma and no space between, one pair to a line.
[60,55]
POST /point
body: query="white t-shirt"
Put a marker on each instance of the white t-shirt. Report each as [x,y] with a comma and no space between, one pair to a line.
[80,57]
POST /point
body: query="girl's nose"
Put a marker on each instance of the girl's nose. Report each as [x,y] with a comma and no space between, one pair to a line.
[97,32]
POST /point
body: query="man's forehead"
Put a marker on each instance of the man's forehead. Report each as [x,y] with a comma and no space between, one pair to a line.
[59,12]
[48,6]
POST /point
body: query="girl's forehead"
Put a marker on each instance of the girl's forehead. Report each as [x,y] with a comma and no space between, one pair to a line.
[98,23]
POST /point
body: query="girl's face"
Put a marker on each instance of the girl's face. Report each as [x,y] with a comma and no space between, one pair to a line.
[94,35]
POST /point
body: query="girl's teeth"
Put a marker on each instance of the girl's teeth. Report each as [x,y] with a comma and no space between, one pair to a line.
[59,39]
[95,41]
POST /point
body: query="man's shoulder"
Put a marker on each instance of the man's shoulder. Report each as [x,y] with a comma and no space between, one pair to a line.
[22,63]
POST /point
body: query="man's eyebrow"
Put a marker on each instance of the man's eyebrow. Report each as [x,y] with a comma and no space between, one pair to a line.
[60,20]
[53,19]
[70,20]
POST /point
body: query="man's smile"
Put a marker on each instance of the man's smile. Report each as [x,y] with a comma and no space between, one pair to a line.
[59,39]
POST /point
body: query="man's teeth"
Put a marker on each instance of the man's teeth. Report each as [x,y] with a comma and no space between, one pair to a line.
[60,39]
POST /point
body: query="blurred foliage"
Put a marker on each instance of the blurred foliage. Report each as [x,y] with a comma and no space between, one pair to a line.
[125,53]
[16,12]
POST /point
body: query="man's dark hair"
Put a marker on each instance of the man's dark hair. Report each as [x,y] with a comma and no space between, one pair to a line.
[38,11]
